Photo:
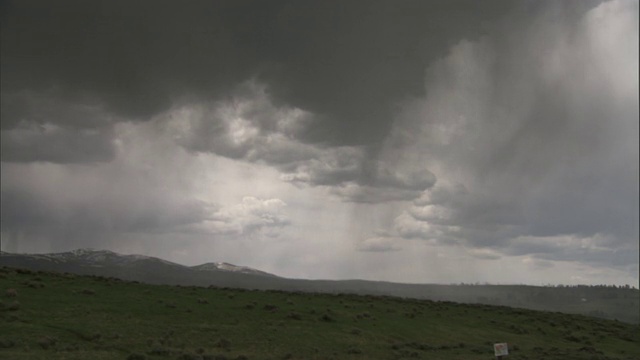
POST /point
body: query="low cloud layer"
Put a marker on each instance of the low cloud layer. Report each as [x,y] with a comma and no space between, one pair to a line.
[250,216]
[380,244]
[250,127]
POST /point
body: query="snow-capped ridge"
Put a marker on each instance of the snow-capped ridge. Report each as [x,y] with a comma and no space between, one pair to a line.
[87,251]
[223,266]
[105,258]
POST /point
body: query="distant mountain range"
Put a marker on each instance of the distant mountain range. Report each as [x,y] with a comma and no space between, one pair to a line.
[601,301]
[137,268]
[108,259]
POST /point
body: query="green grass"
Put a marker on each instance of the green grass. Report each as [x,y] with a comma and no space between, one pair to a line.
[81,317]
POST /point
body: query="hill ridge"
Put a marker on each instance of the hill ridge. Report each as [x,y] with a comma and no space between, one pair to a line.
[612,303]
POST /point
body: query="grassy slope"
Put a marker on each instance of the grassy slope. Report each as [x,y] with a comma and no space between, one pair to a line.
[605,302]
[75,317]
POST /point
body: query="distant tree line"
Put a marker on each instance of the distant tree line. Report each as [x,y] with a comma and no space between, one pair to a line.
[600,286]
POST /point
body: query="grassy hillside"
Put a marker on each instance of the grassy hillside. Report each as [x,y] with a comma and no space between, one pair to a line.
[55,316]
[615,303]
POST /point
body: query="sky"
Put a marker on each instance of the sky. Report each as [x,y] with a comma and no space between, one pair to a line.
[410,141]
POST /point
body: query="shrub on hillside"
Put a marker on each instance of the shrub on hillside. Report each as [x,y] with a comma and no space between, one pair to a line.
[72,347]
[159,351]
[354,350]
[326,318]
[46,342]
[188,356]
[136,356]
[33,284]
[6,343]
[14,306]
[223,343]
[214,357]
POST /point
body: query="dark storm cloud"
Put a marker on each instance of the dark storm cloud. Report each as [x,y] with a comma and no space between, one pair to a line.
[354,177]
[128,55]
[51,106]
[48,127]
[346,65]
[348,62]
[494,128]
[248,125]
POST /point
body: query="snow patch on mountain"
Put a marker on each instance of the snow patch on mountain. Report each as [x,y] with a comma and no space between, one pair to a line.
[222,266]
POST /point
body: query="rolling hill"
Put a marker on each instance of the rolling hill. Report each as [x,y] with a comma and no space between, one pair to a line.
[48,315]
[600,301]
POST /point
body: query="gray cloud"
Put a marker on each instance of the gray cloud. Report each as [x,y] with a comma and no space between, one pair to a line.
[46,126]
[103,203]
[379,244]
[484,131]
[485,254]
[531,133]
[353,177]
[246,126]
[352,192]
[249,216]
[137,63]
[139,59]
[249,126]
[600,250]
[56,144]
[72,210]
[332,166]
[51,107]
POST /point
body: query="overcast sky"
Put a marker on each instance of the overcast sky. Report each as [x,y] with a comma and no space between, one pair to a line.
[410,141]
